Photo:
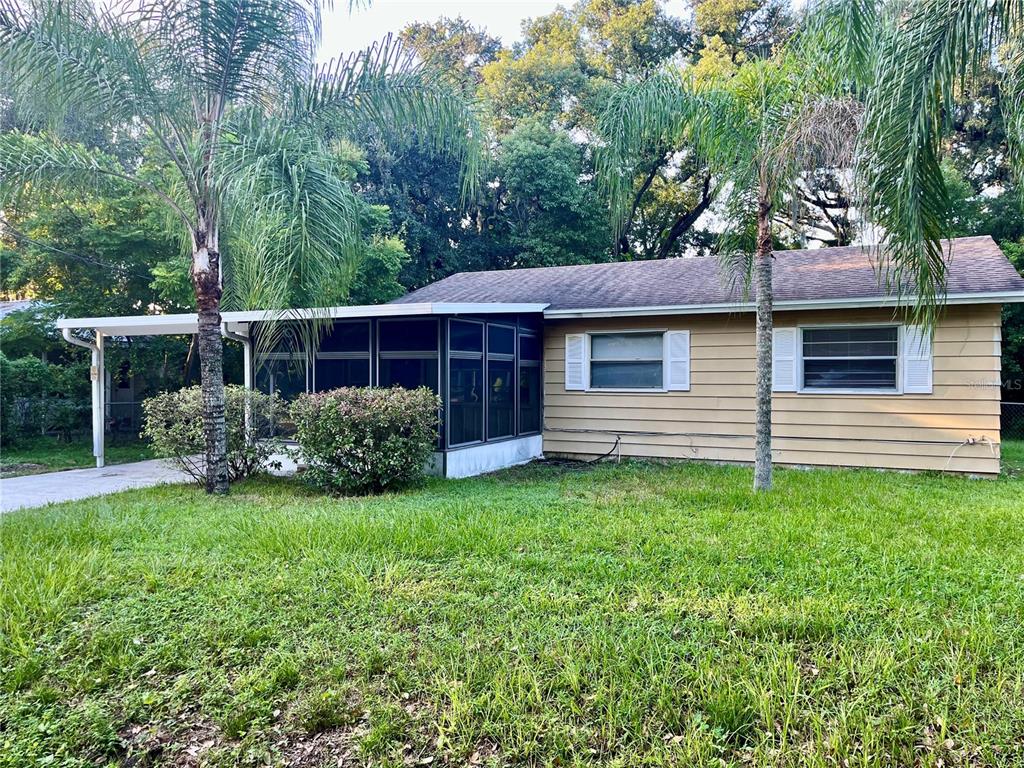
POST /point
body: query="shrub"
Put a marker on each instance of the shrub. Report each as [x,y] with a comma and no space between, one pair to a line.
[366,440]
[173,424]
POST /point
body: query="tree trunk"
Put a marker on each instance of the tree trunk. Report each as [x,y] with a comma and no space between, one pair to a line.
[684,221]
[206,281]
[763,392]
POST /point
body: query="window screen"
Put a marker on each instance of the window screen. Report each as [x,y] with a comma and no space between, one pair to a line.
[283,374]
[529,347]
[408,335]
[466,336]
[410,373]
[408,354]
[466,398]
[501,404]
[850,358]
[501,340]
[347,337]
[529,398]
[626,361]
[342,372]
[342,358]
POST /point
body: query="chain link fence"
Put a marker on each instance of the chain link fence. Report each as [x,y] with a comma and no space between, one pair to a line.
[1012,422]
[124,417]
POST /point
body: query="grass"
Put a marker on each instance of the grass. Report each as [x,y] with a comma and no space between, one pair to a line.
[1012,455]
[46,454]
[619,615]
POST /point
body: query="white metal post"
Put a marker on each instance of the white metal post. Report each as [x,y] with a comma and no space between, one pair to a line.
[99,405]
[96,377]
[247,359]
[246,341]
[247,379]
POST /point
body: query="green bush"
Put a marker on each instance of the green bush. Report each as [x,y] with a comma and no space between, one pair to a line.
[173,424]
[365,440]
[42,398]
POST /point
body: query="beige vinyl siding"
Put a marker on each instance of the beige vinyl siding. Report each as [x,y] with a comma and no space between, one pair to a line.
[714,420]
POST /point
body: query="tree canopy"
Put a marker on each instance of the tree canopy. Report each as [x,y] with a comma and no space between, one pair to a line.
[538,200]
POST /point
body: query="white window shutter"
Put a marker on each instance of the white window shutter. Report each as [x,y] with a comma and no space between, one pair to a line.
[575,361]
[784,359]
[917,359]
[677,361]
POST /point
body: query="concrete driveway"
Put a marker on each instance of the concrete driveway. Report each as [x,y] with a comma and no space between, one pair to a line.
[73,484]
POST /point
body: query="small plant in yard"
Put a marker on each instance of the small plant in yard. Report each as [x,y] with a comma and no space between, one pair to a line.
[364,440]
[173,424]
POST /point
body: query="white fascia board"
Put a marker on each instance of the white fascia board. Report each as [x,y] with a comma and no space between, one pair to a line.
[381,310]
[164,325]
[134,325]
[1011,297]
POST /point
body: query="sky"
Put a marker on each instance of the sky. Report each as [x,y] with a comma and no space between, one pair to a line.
[345,32]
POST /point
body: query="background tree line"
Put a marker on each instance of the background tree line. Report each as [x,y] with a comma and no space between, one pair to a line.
[108,252]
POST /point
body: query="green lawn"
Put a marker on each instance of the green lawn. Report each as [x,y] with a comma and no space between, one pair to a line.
[620,615]
[1012,455]
[46,454]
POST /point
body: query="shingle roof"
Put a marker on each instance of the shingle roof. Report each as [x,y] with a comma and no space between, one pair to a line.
[975,265]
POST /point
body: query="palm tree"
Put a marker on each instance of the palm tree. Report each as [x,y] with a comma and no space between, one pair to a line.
[245,123]
[757,131]
[919,54]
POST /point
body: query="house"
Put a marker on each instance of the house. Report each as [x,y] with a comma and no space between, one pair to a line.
[656,359]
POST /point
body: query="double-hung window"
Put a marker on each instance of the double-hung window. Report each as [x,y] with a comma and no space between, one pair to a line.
[635,361]
[627,360]
[851,358]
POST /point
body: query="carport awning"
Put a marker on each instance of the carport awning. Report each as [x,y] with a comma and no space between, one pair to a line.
[236,325]
[137,325]
[170,325]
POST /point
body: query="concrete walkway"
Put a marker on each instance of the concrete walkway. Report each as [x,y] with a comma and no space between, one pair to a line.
[73,484]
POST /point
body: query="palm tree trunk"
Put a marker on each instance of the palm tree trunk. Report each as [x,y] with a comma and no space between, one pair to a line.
[206,281]
[763,390]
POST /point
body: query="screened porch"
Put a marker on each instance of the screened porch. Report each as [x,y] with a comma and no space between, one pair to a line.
[486,368]
[483,360]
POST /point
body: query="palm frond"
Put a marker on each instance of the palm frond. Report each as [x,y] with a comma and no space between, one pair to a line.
[59,49]
[838,40]
[29,160]
[640,117]
[96,57]
[931,48]
[384,86]
[295,222]
[660,113]
[1011,103]
[236,51]
[822,133]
